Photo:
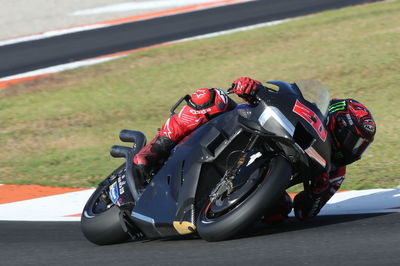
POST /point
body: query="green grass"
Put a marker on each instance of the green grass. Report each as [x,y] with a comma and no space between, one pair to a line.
[58,130]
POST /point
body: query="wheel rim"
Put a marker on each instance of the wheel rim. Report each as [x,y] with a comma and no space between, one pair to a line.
[97,205]
[227,202]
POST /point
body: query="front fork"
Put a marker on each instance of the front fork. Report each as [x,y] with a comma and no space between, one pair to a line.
[226,183]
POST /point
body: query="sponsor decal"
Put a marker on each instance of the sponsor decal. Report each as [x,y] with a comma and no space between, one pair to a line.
[117,189]
[339,106]
[197,112]
[184,227]
[311,118]
[166,130]
[369,128]
[223,95]
[369,125]
[349,120]
[253,158]
[200,93]
[239,86]
[121,184]
[114,192]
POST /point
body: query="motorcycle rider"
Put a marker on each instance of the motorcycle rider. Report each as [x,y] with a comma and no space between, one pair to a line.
[350,123]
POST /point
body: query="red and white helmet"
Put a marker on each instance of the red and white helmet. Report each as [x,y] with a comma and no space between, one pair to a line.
[203,98]
[209,101]
[352,127]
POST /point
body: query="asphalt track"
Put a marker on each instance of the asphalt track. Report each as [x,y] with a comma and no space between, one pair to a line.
[27,56]
[372,239]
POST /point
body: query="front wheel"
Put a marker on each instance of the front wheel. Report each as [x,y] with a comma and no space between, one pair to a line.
[222,220]
[102,222]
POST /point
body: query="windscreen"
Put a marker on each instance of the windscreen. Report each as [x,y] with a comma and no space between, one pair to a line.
[315,93]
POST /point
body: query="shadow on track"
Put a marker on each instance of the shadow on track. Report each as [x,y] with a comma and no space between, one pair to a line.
[261,228]
[292,224]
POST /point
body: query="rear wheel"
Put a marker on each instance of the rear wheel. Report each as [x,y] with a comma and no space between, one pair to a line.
[102,222]
[232,212]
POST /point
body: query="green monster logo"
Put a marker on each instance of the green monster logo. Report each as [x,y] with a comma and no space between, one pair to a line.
[339,106]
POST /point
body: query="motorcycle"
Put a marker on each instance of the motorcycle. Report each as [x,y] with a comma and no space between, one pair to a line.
[221,178]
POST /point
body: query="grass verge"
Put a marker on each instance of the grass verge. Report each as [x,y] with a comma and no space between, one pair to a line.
[58,130]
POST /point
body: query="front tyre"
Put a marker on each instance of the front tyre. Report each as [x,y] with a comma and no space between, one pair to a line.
[102,222]
[243,214]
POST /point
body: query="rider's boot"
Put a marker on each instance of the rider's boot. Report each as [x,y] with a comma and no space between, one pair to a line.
[281,210]
[151,156]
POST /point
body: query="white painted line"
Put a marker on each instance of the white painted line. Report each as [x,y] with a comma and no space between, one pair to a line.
[60,207]
[139,5]
[240,29]
[362,202]
[105,24]
[59,68]
[51,208]
[52,33]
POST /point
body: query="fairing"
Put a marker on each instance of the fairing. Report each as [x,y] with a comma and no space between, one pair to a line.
[171,194]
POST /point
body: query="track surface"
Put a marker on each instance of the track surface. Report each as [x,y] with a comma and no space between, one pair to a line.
[28,56]
[372,239]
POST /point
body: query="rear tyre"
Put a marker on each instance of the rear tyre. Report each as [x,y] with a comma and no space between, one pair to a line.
[262,197]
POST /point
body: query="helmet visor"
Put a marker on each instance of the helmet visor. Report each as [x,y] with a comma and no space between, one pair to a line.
[354,144]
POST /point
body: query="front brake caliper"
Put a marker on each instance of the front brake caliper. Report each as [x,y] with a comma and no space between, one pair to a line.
[225,186]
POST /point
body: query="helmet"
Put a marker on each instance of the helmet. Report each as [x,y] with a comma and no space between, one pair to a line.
[202,98]
[353,129]
[209,102]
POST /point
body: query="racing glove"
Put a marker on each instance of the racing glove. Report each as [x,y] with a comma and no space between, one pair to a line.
[307,205]
[245,87]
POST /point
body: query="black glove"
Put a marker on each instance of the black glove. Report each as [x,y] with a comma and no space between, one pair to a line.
[307,205]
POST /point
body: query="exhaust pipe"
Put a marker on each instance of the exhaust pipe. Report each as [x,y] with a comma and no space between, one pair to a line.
[120,151]
[137,137]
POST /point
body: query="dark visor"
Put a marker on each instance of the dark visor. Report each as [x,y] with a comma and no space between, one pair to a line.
[354,143]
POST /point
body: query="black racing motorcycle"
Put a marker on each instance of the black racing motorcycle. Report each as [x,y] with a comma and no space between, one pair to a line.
[221,178]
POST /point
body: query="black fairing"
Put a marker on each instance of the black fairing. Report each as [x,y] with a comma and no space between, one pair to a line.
[175,191]
[170,195]
[292,127]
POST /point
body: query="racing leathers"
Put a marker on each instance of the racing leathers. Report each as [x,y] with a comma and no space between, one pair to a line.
[202,105]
